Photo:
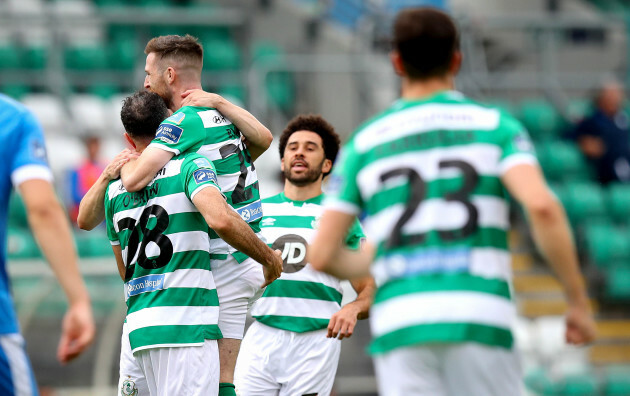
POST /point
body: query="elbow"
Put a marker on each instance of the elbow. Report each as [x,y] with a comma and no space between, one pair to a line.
[132,186]
[84,223]
[544,208]
[220,224]
[267,137]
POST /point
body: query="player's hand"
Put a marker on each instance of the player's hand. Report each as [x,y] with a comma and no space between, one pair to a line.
[581,327]
[77,331]
[199,98]
[342,323]
[272,270]
[112,170]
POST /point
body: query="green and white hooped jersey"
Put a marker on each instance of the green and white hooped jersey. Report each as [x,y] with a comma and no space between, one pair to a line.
[302,299]
[206,131]
[169,289]
[427,174]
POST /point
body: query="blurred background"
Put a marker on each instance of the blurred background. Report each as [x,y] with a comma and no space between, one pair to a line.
[559,66]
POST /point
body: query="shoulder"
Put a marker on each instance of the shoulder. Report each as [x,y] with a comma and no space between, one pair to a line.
[114,188]
[195,159]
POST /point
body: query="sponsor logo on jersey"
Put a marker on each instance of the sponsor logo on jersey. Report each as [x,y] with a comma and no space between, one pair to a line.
[169,133]
[145,284]
[427,261]
[293,248]
[251,212]
[212,118]
[205,175]
[129,388]
[38,149]
[522,143]
[176,118]
[202,163]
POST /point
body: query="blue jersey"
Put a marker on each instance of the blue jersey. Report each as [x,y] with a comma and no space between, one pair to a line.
[23,156]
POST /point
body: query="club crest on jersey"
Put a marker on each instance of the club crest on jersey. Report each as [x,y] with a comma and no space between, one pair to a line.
[176,118]
[129,388]
[202,162]
[169,133]
[204,175]
[293,248]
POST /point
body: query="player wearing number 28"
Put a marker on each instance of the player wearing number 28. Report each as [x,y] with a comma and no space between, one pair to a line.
[286,350]
[431,173]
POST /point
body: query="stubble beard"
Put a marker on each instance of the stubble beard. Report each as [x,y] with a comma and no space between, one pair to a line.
[309,177]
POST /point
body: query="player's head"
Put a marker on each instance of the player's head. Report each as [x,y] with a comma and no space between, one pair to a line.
[172,61]
[141,114]
[308,148]
[425,44]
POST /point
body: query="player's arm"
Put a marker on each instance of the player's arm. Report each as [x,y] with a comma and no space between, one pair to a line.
[236,232]
[91,209]
[552,235]
[52,231]
[343,321]
[119,261]
[136,174]
[327,253]
[258,136]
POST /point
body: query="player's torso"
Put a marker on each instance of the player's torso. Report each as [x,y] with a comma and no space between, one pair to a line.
[438,213]
[302,299]
[165,246]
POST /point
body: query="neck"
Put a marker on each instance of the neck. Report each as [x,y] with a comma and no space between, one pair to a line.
[176,101]
[420,89]
[302,193]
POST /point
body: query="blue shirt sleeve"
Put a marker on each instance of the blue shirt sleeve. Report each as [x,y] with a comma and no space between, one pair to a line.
[29,149]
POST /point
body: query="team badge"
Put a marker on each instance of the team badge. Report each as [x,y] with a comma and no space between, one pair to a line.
[129,388]
[202,162]
[204,175]
[38,150]
[169,133]
[176,118]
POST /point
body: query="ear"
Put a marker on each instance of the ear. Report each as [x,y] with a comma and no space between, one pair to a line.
[327,166]
[282,163]
[170,75]
[456,63]
[130,140]
[397,63]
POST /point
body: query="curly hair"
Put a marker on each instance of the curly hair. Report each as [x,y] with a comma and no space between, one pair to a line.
[142,113]
[313,123]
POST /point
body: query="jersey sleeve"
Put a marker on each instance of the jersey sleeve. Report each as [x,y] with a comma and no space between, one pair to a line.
[28,156]
[198,173]
[109,218]
[516,145]
[181,132]
[355,236]
[343,192]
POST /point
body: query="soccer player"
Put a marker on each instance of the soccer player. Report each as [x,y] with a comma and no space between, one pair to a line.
[173,67]
[26,168]
[160,239]
[430,174]
[286,350]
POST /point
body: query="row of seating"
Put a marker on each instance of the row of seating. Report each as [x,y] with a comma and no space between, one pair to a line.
[612,383]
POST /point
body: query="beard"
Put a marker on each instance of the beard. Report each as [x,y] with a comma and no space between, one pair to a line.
[310,176]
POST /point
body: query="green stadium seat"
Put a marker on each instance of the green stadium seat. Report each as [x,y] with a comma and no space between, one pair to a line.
[17,212]
[221,55]
[15,90]
[584,201]
[111,3]
[562,161]
[93,57]
[578,109]
[618,199]
[21,244]
[11,57]
[540,118]
[578,385]
[503,105]
[35,57]
[617,384]
[92,244]
[607,245]
[267,51]
[236,91]
[539,382]
[617,281]
[280,88]
[122,54]
[104,90]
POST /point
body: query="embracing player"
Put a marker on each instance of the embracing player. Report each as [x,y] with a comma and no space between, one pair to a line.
[431,173]
[286,350]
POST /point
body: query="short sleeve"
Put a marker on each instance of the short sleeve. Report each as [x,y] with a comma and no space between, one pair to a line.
[28,157]
[181,132]
[109,219]
[343,192]
[198,173]
[355,236]
[516,145]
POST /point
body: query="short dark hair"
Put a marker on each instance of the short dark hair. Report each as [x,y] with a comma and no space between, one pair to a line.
[312,123]
[142,113]
[185,49]
[426,39]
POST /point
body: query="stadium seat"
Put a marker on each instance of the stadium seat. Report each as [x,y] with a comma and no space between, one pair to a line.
[21,244]
[92,244]
[578,109]
[562,160]
[10,56]
[35,57]
[539,381]
[233,91]
[578,385]
[617,384]
[618,199]
[607,245]
[89,112]
[617,281]
[122,53]
[103,90]
[15,90]
[540,118]
[502,105]
[48,109]
[221,55]
[280,88]
[17,212]
[584,201]
[86,57]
